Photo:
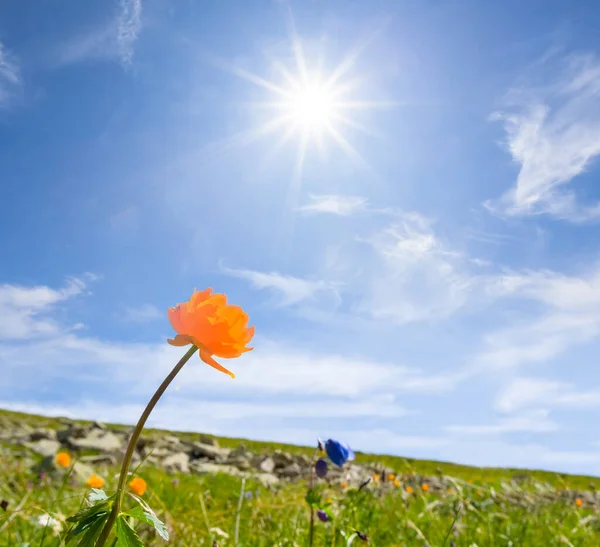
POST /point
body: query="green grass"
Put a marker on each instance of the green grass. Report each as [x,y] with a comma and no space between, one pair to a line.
[492,511]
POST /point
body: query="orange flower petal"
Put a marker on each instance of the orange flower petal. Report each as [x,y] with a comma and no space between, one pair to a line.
[207,358]
[180,340]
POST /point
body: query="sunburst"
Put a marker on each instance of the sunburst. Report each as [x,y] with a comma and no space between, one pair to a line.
[305,103]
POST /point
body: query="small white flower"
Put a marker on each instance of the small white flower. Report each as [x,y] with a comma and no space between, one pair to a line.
[46,520]
[219,532]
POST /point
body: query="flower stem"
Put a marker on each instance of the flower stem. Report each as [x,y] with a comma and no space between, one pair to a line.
[311,533]
[116,509]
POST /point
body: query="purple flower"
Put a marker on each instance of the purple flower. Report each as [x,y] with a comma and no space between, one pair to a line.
[338,452]
[323,516]
[248,495]
[321,468]
[175,482]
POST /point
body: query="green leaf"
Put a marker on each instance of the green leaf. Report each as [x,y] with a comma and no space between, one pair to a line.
[103,505]
[93,532]
[126,536]
[97,495]
[149,517]
[313,498]
[91,525]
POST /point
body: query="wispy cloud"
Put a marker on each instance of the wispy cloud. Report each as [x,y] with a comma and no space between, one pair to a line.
[334,204]
[530,392]
[553,133]
[114,40]
[10,77]
[24,311]
[535,421]
[413,276]
[140,314]
[289,289]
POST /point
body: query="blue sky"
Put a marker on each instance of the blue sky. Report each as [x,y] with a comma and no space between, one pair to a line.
[419,254]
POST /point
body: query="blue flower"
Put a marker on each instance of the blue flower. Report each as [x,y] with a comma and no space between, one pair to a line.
[338,452]
[323,516]
[321,468]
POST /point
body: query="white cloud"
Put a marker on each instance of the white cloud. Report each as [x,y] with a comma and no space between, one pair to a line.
[24,310]
[291,290]
[334,204]
[553,133]
[10,77]
[535,421]
[140,314]
[528,392]
[115,40]
[414,277]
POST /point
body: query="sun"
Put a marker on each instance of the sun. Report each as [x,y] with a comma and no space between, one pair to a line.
[312,106]
[306,103]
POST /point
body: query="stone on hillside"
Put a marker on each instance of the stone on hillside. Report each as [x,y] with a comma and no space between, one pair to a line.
[45,447]
[240,452]
[282,459]
[240,462]
[98,439]
[206,468]
[73,431]
[39,434]
[98,425]
[267,465]
[266,479]
[199,450]
[210,441]
[292,471]
[99,459]
[156,451]
[177,463]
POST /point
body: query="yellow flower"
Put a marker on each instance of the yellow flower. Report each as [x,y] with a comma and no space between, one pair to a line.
[376,477]
[425,487]
[63,459]
[396,482]
[215,327]
[95,481]
[329,500]
[391,477]
[138,485]
[344,484]
[578,502]
[409,489]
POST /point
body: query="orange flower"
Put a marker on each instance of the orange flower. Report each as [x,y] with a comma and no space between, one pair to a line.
[95,481]
[391,477]
[215,327]
[376,477]
[578,502]
[409,489]
[396,482]
[425,487]
[138,485]
[63,459]
[344,484]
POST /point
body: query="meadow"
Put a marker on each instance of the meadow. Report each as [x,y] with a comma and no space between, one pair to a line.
[476,506]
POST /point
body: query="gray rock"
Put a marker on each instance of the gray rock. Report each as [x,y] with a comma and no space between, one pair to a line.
[200,450]
[73,431]
[156,451]
[267,465]
[177,463]
[282,459]
[100,459]
[210,441]
[205,468]
[45,447]
[39,434]
[98,425]
[292,471]
[266,479]
[98,439]
[240,462]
